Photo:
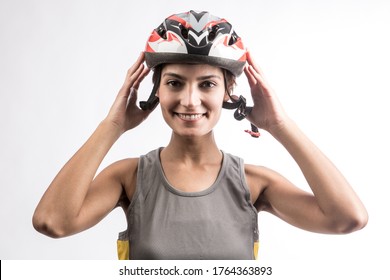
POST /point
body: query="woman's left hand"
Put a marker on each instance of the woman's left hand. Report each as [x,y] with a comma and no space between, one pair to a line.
[267,112]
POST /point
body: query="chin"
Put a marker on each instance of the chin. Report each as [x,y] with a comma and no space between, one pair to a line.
[193,133]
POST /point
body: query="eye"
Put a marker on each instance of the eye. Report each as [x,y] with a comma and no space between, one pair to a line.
[174,83]
[207,84]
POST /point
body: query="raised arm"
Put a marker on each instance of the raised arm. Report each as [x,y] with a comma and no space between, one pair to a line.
[333,207]
[75,201]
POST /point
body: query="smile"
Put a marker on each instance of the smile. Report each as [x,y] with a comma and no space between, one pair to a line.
[190,117]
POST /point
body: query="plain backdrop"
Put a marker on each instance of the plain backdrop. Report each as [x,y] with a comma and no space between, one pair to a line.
[63,62]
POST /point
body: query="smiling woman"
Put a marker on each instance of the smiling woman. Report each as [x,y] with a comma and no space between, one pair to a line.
[191,97]
[189,199]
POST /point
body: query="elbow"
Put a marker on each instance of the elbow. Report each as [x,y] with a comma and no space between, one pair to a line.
[46,226]
[353,223]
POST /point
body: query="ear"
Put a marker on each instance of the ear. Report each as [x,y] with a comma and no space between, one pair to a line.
[157,93]
[226,97]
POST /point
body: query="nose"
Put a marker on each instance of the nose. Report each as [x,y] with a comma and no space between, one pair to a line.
[191,97]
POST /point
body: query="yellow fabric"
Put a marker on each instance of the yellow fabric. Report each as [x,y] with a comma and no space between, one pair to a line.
[123,249]
[256,249]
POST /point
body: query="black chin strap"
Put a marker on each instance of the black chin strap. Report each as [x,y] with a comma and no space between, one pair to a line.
[241,112]
[153,100]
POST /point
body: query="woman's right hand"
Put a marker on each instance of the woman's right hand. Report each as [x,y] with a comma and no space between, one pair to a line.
[124,113]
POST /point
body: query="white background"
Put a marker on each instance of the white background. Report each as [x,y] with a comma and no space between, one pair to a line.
[62,63]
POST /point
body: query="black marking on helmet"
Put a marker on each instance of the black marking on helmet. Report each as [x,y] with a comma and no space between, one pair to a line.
[233,38]
[162,31]
[198,15]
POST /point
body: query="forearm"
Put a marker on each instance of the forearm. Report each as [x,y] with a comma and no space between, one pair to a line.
[334,195]
[64,197]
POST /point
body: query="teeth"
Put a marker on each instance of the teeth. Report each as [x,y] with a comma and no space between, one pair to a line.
[190,116]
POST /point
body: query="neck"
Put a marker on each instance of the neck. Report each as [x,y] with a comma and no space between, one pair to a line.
[196,150]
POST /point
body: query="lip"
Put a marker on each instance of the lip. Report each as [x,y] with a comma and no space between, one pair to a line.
[190,117]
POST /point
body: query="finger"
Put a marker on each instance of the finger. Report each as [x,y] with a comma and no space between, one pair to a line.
[140,60]
[251,79]
[140,78]
[261,82]
[130,80]
[255,74]
[252,63]
[133,93]
[133,75]
[256,70]
[134,70]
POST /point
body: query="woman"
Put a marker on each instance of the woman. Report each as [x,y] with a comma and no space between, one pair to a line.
[190,200]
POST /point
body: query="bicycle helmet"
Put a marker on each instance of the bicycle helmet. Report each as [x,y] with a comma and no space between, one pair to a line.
[197,37]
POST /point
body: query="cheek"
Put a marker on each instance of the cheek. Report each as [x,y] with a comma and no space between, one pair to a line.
[164,98]
[165,104]
[221,97]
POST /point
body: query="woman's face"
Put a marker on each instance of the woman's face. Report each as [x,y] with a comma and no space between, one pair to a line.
[191,97]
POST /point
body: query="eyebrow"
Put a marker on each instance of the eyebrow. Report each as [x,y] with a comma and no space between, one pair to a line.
[201,78]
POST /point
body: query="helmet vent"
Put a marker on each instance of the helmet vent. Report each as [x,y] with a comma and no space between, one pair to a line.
[213,33]
[162,32]
[233,39]
[184,32]
[211,36]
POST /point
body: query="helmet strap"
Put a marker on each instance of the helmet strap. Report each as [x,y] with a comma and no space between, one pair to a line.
[241,112]
[153,100]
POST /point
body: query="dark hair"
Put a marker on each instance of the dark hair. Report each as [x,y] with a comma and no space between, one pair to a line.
[230,81]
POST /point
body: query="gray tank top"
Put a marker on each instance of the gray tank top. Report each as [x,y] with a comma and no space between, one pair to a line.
[165,223]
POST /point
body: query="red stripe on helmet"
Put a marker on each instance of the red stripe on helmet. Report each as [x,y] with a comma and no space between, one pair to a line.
[239,44]
[152,38]
[148,48]
[243,57]
[173,37]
